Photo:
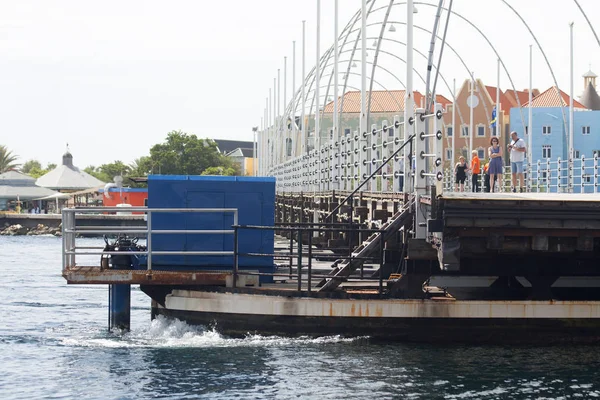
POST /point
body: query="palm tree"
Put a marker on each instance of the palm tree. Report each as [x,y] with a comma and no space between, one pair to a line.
[7,159]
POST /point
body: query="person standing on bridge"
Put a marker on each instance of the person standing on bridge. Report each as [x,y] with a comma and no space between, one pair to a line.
[495,169]
[475,171]
[460,172]
[517,150]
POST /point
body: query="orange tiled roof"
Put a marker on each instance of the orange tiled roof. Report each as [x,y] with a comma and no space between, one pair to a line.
[505,102]
[381,101]
[550,98]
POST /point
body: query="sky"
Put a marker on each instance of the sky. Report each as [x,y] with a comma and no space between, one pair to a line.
[112,78]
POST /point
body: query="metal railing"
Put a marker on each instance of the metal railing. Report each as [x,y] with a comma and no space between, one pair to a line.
[580,175]
[70,230]
[302,271]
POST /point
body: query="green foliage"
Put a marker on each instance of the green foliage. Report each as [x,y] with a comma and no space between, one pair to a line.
[227,171]
[96,173]
[7,159]
[34,168]
[31,165]
[183,154]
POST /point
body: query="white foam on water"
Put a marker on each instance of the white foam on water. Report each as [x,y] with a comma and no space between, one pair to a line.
[173,333]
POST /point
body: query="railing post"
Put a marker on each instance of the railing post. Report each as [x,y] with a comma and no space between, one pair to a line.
[64,239]
[291,252]
[559,174]
[310,235]
[582,164]
[596,173]
[548,176]
[235,255]
[381,249]
[149,238]
[299,266]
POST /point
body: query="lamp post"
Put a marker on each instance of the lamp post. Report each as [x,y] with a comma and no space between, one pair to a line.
[254,129]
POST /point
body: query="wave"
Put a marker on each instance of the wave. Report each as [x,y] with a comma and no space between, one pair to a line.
[173,333]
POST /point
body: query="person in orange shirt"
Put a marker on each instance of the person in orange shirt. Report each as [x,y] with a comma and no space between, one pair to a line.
[475,171]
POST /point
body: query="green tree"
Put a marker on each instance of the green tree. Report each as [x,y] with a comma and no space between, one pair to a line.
[228,171]
[30,165]
[34,168]
[7,159]
[140,166]
[184,154]
[96,173]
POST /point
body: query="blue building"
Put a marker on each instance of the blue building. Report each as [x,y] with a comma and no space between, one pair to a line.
[550,141]
[551,124]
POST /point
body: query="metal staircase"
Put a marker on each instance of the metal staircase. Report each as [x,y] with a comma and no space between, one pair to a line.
[345,268]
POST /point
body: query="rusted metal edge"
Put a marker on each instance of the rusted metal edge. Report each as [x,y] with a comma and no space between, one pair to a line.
[91,276]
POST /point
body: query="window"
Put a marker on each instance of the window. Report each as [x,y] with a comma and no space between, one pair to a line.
[587,178]
[585,130]
[495,130]
[577,155]
[449,131]
[480,130]
[546,130]
[546,151]
[391,132]
[481,154]
[464,131]
[449,154]
[288,142]
[527,130]
[596,153]
[346,131]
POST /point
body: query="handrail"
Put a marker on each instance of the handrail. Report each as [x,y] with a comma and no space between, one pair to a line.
[70,230]
[410,138]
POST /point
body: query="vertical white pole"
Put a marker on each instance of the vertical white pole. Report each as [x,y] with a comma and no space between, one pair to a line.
[363,89]
[409,102]
[336,133]
[530,123]
[278,116]
[285,116]
[454,132]
[293,116]
[270,136]
[317,137]
[265,136]
[303,84]
[498,105]
[471,133]
[571,122]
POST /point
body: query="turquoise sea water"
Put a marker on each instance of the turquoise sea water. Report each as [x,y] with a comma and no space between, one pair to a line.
[54,345]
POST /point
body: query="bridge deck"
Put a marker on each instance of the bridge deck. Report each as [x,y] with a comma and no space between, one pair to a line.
[566,197]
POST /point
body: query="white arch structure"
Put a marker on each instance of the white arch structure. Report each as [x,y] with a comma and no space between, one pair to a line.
[342,162]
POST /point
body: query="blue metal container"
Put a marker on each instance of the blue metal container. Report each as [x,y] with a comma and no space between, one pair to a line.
[253,197]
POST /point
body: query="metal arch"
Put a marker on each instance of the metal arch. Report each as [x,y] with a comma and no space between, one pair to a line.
[441,75]
[486,39]
[376,57]
[437,73]
[434,35]
[457,55]
[327,54]
[495,52]
[588,21]
[562,108]
[379,84]
[449,46]
[310,77]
